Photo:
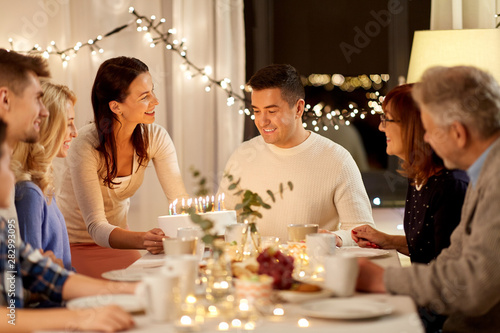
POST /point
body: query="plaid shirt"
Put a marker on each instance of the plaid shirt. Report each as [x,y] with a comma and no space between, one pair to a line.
[21,266]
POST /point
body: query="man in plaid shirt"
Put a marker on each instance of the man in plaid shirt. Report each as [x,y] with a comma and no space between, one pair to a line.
[20,265]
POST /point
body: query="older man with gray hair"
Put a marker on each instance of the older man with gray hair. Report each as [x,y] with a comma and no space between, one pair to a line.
[461,115]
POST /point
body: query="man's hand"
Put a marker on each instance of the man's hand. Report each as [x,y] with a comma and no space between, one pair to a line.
[339,241]
[109,318]
[370,277]
[52,256]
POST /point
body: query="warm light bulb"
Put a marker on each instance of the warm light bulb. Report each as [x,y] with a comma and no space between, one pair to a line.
[99,37]
[138,21]
[208,70]
[303,322]
[207,88]
[130,9]
[236,323]
[153,17]
[101,50]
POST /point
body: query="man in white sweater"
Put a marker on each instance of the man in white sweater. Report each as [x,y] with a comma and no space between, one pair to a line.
[327,185]
[461,115]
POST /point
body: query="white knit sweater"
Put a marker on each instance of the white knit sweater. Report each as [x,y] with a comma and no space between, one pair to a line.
[327,185]
[92,210]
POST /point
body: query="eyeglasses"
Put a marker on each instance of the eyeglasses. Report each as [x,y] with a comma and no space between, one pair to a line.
[384,120]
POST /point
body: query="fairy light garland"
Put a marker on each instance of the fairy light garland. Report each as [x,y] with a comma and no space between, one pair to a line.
[319,116]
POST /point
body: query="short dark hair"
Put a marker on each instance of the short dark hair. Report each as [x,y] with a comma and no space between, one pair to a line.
[15,68]
[284,77]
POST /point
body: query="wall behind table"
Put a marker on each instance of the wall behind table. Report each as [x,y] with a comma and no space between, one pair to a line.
[198,143]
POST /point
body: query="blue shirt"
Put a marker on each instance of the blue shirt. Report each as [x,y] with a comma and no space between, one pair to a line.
[21,266]
[475,169]
[42,225]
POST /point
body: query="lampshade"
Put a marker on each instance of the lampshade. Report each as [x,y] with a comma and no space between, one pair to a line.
[472,47]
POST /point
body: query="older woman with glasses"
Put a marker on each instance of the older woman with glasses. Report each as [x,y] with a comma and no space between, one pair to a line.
[435,194]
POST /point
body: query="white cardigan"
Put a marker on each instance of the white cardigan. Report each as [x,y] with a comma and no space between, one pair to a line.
[91,209]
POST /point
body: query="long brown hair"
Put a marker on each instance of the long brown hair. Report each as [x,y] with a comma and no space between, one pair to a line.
[420,161]
[112,83]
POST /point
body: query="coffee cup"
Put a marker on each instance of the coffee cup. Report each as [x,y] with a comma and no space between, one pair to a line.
[193,233]
[298,232]
[176,246]
[341,274]
[160,292]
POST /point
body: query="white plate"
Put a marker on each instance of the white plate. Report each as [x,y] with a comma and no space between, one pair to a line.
[346,308]
[302,296]
[129,274]
[129,303]
[361,252]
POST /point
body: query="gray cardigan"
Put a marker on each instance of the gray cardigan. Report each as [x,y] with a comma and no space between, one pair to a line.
[464,280]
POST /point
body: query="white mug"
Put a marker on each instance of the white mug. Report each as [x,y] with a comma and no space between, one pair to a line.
[193,233]
[319,245]
[175,246]
[160,292]
[341,274]
[186,267]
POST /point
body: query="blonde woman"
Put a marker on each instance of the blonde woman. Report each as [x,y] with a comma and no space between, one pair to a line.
[40,222]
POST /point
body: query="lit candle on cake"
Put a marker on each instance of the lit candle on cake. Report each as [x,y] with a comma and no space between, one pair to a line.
[223,207]
[170,209]
[218,203]
[174,205]
[200,203]
[196,205]
[213,204]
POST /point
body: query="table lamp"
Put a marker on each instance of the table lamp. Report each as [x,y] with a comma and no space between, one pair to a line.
[472,47]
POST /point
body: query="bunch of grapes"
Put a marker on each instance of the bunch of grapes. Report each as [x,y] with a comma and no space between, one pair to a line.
[278,266]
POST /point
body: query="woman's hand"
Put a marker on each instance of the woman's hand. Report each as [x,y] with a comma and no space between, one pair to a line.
[366,236]
[153,240]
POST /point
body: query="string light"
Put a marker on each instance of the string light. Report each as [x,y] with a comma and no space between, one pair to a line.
[320,115]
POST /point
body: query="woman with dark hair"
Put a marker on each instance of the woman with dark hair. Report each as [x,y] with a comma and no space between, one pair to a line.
[435,195]
[106,166]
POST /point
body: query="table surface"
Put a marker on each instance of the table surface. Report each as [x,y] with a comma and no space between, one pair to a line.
[403,319]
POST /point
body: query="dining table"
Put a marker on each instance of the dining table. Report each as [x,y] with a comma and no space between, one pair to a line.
[402,318]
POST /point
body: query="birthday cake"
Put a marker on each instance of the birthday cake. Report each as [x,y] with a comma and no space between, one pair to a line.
[170,223]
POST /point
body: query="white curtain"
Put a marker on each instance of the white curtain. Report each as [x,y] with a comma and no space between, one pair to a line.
[464,14]
[204,129]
